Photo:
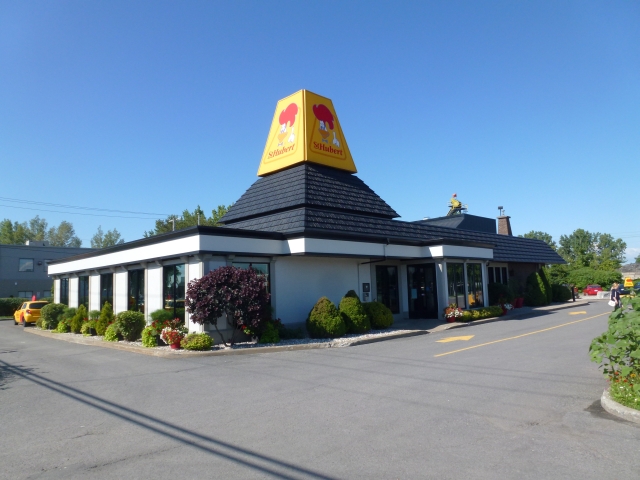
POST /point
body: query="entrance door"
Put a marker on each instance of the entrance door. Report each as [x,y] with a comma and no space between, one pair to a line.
[423,292]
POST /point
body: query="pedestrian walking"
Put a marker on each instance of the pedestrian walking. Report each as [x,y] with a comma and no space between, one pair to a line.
[614,297]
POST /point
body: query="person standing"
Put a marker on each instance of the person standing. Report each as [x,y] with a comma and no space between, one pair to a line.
[615,296]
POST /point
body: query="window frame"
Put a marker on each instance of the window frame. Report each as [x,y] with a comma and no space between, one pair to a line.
[20,269]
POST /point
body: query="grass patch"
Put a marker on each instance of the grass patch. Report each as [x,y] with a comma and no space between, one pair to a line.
[622,392]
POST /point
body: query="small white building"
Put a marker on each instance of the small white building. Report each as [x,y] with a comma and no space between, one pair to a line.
[314,229]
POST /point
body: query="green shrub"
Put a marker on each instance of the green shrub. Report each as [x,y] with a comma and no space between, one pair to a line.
[498,292]
[149,337]
[467,316]
[39,322]
[105,318]
[547,285]
[87,327]
[380,316]
[581,277]
[111,334]
[68,313]
[130,324]
[351,294]
[94,314]
[197,341]
[75,324]
[536,294]
[51,314]
[560,293]
[325,321]
[162,315]
[355,317]
[8,306]
[269,334]
[63,326]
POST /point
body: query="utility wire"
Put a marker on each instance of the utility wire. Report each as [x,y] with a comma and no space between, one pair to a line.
[33,202]
[76,213]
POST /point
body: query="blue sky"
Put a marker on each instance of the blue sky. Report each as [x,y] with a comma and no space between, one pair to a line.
[160,106]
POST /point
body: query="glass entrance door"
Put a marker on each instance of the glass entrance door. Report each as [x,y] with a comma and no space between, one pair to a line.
[423,292]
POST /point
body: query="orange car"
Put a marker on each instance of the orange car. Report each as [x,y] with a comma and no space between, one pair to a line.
[29,312]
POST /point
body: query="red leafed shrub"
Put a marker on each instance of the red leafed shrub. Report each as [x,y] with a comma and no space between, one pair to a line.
[238,293]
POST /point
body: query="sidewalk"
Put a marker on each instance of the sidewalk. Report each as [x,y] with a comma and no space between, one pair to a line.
[401,329]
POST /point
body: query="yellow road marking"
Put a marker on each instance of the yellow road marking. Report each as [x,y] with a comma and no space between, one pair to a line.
[520,336]
[577,313]
[455,339]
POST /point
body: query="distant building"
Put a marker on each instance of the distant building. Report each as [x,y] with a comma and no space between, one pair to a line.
[23,268]
[631,270]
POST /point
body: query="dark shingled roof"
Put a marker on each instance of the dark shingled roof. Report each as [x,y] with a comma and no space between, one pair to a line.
[308,185]
[464,221]
[332,223]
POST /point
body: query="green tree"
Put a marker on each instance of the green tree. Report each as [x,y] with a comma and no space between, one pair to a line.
[545,237]
[104,240]
[13,233]
[63,236]
[638,259]
[188,219]
[597,250]
[37,228]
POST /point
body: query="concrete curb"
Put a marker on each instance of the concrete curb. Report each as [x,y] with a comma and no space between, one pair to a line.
[287,348]
[614,408]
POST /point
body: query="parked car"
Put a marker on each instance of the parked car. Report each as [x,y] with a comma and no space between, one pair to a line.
[623,291]
[637,286]
[29,312]
[591,290]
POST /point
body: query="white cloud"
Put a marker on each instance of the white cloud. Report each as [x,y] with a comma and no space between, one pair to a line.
[632,253]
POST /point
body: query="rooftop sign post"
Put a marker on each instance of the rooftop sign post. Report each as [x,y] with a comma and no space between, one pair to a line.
[305,128]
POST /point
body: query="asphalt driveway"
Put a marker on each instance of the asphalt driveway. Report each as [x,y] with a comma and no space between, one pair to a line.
[519,399]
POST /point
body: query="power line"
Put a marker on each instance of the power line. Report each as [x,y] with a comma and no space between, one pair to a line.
[76,213]
[33,202]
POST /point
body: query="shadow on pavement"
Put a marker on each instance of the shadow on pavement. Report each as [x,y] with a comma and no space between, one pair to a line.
[233,453]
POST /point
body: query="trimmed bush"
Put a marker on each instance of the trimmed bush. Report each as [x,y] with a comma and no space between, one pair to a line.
[269,334]
[87,327]
[481,313]
[380,316]
[111,334]
[39,322]
[75,324]
[536,295]
[197,341]
[351,294]
[63,326]
[106,317]
[51,314]
[94,314]
[467,316]
[547,285]
[68,314]
[325,321]
[149,337]
[560,293]
[8,306]
[162,315]
[355,317]
[130,325]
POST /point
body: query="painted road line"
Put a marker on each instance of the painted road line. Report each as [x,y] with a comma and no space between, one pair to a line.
[578,313]
[523,335]
[455,339]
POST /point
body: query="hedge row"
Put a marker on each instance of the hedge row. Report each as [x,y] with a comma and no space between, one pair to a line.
[8,306]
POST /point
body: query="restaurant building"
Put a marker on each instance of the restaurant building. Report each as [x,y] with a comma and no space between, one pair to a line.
[314,229]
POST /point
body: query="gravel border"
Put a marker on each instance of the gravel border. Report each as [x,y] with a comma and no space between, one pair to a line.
[620,411]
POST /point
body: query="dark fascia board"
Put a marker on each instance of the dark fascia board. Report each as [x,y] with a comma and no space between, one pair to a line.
[185,232]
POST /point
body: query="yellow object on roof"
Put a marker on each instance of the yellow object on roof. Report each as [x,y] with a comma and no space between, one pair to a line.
[305,128]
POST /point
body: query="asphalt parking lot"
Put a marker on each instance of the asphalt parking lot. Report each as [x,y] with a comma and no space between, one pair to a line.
[517,399]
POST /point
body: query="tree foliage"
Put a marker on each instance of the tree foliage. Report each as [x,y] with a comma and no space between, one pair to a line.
[104,240]
[597,250]
[545,237]
[37,229]
[238,294]
[188,219]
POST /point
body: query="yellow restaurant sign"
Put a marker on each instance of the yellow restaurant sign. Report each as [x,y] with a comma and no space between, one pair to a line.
[305,128]
[628,282]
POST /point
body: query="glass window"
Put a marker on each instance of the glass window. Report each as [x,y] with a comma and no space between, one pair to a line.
[83,291]
[136,290]
[106,289]
[25,265]
[261,268]
[387,287]
[505,279]
[174,289]
[491,277]
[455,279]
[26,294]
[64,291]
[474,285]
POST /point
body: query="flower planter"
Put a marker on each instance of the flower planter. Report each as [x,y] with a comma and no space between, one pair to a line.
[451,320]
[175,346]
